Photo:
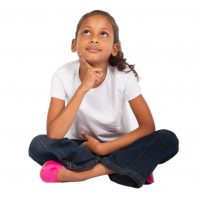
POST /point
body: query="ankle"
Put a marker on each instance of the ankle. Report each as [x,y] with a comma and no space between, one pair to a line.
[60,174]
[68,175]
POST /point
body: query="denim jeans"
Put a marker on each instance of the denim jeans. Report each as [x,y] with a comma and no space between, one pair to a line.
[132,165]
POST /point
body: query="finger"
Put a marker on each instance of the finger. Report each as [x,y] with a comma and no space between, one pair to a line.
[100,75]
[96,69]
[97,79]
[86,64]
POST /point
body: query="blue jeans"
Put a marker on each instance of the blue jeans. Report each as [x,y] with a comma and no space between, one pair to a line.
[132,165]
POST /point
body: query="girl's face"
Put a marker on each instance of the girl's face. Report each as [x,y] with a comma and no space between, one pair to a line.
[95,31]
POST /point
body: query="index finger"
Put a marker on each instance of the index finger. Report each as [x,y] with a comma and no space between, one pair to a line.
[86,64]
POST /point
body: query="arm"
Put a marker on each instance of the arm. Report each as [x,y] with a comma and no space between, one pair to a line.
[60,125]
[125,140]
[63,121]
[146,126]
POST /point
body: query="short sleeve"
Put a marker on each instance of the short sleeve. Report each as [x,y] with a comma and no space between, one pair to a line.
[132,88]
[57,88]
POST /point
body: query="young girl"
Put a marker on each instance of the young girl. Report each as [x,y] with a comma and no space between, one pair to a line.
[96,88]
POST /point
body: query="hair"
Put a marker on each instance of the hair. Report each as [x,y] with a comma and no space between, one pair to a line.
[119,59]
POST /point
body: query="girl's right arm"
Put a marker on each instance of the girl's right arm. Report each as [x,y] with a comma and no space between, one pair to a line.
[59,119]
[60,125]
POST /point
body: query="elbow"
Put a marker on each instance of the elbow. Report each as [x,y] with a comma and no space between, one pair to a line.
[55,138]
[149,128]
[51,136]
[53,133]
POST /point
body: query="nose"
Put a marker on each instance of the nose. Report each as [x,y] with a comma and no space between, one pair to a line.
[94,41]
[94,38]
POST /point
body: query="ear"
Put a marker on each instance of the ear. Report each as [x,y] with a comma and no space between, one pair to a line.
[73,46]
[115,49]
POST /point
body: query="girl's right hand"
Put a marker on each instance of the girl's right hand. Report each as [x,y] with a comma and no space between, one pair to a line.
[93,75]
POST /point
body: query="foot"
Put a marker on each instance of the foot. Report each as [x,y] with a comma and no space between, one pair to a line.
[67,175]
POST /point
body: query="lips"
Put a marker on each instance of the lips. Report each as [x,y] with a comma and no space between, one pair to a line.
[93,49]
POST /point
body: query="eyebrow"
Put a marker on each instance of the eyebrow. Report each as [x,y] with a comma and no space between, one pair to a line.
[91,27]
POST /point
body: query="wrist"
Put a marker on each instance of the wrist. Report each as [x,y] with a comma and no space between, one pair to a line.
[81,90]
[101,149]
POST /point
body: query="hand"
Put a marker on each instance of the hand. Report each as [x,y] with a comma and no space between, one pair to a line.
[92,144]
[93,75]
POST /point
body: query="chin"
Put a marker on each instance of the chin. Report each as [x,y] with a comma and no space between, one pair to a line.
[93,61]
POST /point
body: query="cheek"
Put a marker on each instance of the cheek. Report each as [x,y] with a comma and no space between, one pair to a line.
[108,49]
[106,54]
[107,45]
[80,47]
[82,43]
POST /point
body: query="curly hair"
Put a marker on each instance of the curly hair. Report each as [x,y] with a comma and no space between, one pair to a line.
[119,59]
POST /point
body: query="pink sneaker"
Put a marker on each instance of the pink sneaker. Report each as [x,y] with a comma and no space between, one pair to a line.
[49,171]
[150,180]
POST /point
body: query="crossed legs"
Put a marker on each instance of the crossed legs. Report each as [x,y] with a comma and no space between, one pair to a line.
[71,175]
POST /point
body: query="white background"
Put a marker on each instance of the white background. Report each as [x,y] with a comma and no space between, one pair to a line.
[160,37]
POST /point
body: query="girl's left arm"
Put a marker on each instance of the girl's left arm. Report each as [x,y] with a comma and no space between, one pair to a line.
[146,126]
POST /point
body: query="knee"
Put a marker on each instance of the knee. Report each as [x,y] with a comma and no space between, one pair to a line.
[170,138]
[35,147]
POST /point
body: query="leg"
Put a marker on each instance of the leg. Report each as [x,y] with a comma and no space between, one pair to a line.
[64,151]
[65,175]
[97,170]
[149,145]
[134,164]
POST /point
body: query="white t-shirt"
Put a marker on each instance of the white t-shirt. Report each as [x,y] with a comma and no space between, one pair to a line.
[103,111]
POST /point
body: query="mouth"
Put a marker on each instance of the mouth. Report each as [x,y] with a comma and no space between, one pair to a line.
[93,49]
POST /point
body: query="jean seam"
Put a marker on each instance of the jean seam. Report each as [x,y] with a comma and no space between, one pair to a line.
[61,152]
[143,151]
[55,149]
[124,181]
[120,169]
[71,164]
[43,143]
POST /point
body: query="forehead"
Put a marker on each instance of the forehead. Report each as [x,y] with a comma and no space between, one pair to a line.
[97,21]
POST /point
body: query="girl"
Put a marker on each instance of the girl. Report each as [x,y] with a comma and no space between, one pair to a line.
[97,87]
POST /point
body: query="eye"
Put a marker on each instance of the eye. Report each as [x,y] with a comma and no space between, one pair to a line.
[89,31]
[85,31]
[105,33]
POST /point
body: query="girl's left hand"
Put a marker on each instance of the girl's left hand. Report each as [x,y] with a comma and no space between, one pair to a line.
[92,144]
